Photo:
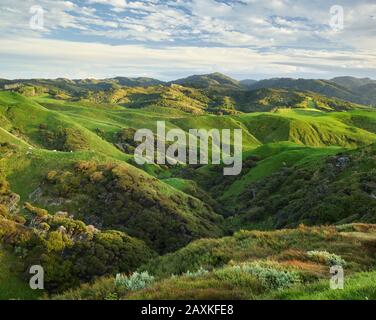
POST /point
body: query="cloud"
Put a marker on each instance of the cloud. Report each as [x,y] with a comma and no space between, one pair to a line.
[32,57]
[262,28]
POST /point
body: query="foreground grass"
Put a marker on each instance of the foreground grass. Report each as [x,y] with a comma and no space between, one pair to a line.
[360,286]
[11,286]
[256,265]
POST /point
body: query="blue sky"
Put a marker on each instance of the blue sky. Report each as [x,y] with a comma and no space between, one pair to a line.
[171,39]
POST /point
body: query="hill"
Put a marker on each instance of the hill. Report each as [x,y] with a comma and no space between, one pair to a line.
[332,190]
[255,265]
[73,198]
[353,83]
[273,99]
[324,87]
[211,81]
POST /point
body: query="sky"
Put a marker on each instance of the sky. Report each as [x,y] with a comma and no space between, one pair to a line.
[245,39]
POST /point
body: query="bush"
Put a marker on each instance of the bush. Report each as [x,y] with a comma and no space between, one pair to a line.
[200,272]
[136,281]
[40,213]
[4,211]
[4,186]
[325,257]
[271,277]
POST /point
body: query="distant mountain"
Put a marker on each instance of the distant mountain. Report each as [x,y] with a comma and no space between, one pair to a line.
[218,88]
[361,91]
[247,82]
[137,82]
[209,81]
[352,82]
[325,87]
[79,86]
[268,99]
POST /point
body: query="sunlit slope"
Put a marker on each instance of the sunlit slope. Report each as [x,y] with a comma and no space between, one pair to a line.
[312,128]
[273,157]
[40,127]
[110,192]
[308,127]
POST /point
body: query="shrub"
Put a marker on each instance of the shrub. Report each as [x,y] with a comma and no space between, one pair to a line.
[325,257]
[96,176]
[200,272]
[271,277]
[234,276]
[51,175]
[4,186]
[112,296]
[4,211]
[40,213]
[136,281]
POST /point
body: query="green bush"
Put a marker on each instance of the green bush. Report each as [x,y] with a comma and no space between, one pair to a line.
[329,258]
[200,272]
[271,277]
[136,281]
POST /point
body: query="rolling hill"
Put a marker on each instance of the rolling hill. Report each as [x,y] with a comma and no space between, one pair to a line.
[286,264]
[69,185]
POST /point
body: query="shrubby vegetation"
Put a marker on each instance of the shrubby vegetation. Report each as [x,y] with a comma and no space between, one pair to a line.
[254,265]
[329,258]
[63,139]
[69,251]
[136,281]
[270,276]
[118,197]
[338,190]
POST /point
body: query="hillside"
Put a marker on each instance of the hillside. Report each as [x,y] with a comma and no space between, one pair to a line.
[336,189]
[256,265]
[356,90]
[212,93]
[73,198]
[213,81]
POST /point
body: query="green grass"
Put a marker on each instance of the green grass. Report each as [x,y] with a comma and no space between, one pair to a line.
[274,157]
[304,127]
[11,286]
[360,286]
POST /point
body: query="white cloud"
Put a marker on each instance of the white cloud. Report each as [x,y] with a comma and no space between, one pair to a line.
[53,58]
[253,36]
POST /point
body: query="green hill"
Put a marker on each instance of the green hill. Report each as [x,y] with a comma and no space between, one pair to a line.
[73,198]
[255,265]
[211,81]
[323,190]
[273,99]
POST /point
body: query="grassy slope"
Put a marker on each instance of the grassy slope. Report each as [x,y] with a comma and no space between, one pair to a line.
[360,286]
[24,117]
[284,250]
[274,157]
[288,137]
[32,165]
[11,287]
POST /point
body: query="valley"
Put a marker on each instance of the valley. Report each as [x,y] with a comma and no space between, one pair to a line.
[74,200]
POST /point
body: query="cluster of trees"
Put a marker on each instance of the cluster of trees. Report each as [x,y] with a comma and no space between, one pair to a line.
[69,251]
[62,139]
